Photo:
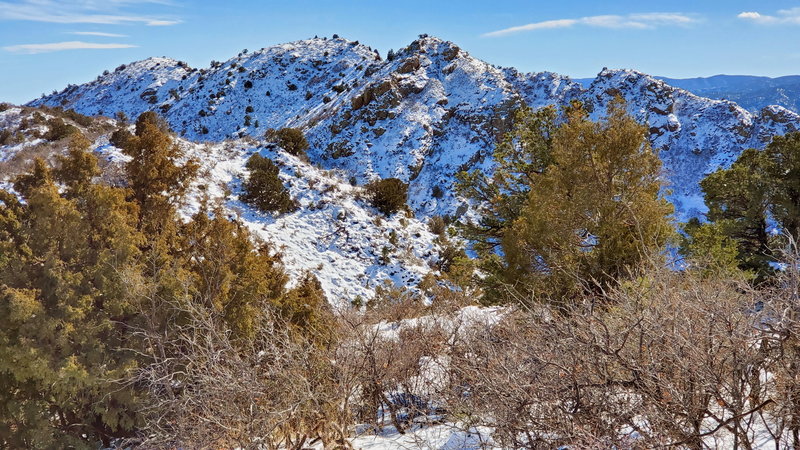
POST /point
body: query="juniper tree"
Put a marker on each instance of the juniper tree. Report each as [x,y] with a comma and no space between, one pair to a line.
[156,176]
[758,187]
[573,203]
[63,306]
[263,188]
[596,211]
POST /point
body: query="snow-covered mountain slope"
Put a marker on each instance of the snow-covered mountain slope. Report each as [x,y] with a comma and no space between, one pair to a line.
[694,135]
[334,234]
[422,115]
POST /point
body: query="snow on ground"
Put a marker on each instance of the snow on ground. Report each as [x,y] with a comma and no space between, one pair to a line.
[441,437]
[335,234]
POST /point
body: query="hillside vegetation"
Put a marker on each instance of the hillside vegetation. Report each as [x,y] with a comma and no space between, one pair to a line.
[309,246]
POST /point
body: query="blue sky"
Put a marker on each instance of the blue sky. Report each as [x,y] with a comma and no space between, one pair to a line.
[46,44]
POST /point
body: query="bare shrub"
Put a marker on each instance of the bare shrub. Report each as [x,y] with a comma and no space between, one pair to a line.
[396,370]
[208,390]
[781,325]
[668,359]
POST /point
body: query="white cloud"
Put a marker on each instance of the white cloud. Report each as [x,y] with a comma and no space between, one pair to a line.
[97,33]
[81,11]
[60,46]
[629,21]
[782,17]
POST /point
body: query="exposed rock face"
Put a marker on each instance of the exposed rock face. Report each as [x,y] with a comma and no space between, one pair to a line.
[430,112]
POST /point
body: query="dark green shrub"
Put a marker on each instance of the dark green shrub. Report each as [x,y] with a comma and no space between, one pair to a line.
[150,117]
[263,188]
[5,135]
[78,118]
[249,109]
[120,138]
[290,139]
[388,195]
[437,192]
[248,84]
[58,129]
[4,107]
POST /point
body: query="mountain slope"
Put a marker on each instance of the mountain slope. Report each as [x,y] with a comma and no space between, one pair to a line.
[423,115]
[335,233]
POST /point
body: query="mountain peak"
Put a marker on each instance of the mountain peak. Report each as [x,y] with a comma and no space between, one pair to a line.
[426,113]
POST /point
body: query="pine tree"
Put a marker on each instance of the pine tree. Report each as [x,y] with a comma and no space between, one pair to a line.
[758,187]
[523,154]
[783,169]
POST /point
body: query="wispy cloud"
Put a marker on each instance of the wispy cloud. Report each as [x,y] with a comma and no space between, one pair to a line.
[630,21]
[783,17]
[81,11]
[61,46]
[97,33]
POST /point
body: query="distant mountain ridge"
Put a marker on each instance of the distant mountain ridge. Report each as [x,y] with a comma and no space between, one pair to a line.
[752,93]
[423,115]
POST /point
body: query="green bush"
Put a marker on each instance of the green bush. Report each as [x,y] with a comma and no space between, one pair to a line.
[263,189]
[5,135]
[120,138]
[58,129]
[388,195]
[290,139]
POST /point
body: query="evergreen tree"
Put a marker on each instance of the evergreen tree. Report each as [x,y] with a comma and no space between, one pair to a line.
[594,213]
[758,187]
[229,273]
[77,169]
[574,205]
[290,139]
[783,169]
[63,306]
[738,201]
[157,179]
[710,251]
[263,188]
[388,195]
[523,154]
[307,311]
